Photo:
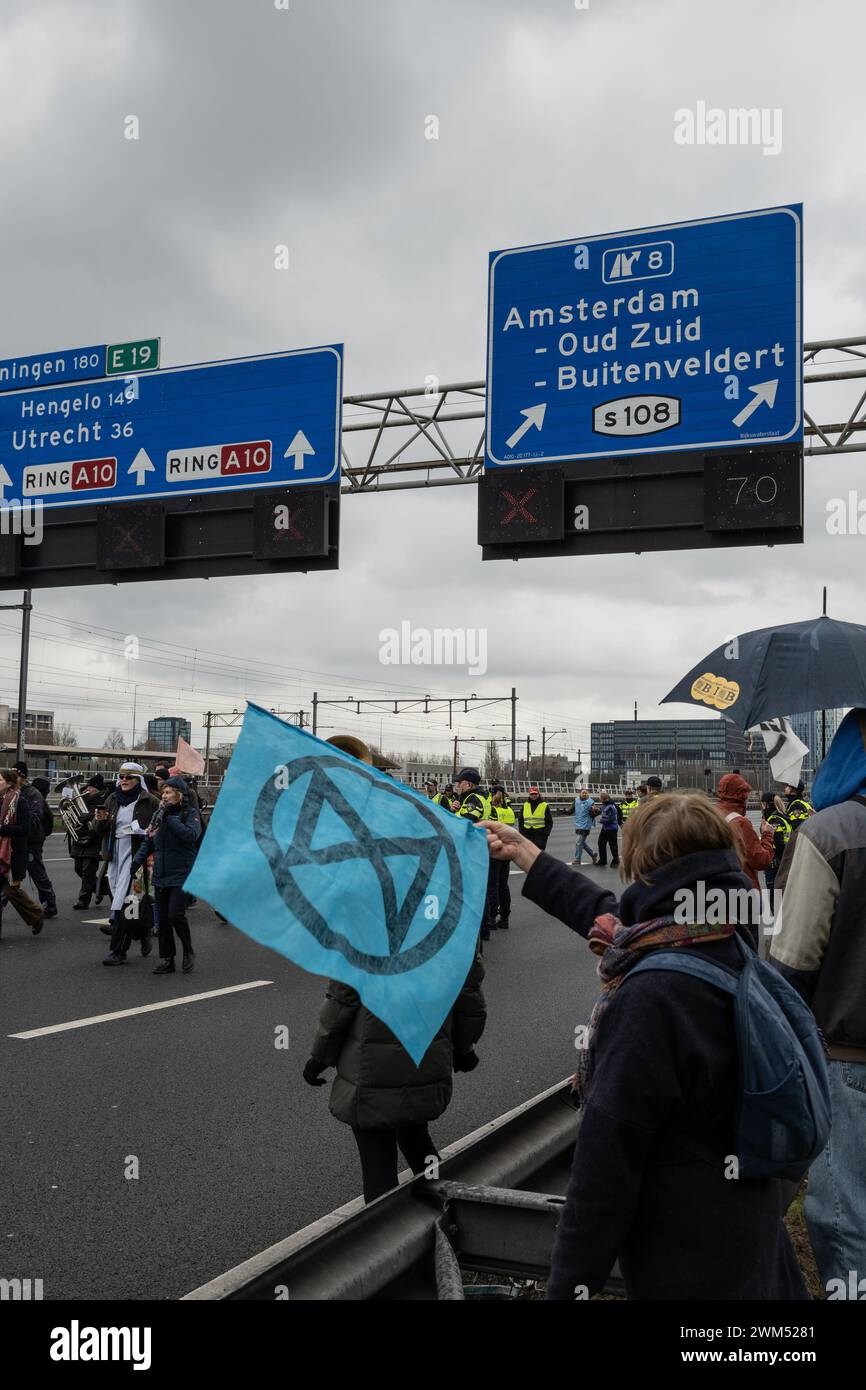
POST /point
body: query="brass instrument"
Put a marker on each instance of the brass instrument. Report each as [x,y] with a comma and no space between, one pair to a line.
[347,743]
[74,812]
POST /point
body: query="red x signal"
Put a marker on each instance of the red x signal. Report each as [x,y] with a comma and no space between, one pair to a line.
[518,506]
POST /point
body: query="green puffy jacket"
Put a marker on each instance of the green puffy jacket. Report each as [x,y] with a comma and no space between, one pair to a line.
[377,1085]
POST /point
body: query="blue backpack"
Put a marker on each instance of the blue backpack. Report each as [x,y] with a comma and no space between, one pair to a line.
[783,1112]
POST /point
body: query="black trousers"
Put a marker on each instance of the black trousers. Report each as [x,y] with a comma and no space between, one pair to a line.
[41,882]
[86,870]
[500,892]
[605,838]
[171,904]
[378,1151]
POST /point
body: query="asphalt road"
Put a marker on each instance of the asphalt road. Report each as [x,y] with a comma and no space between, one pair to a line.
[232,1150]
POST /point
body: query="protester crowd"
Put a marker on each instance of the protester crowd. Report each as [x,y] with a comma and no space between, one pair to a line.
[678,1173]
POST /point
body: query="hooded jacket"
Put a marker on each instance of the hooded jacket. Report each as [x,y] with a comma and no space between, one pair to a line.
[377,1085]
[819,943]
[648,1182]
[757,851]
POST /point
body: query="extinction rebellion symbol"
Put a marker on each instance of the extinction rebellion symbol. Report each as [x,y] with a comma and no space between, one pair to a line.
[362,846]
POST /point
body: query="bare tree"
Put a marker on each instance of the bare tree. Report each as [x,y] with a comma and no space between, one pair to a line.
[63,736]
[492,762]
[115,739]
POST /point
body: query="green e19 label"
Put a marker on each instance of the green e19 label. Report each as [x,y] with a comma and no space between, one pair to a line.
[123,358]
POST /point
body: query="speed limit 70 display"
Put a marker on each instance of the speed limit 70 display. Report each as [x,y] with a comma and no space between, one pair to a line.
[742,494]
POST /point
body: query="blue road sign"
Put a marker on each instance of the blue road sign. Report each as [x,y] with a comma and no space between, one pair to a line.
[78,364]
[253,422]
[687,336]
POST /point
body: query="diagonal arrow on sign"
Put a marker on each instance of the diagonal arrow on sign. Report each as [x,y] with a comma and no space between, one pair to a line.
[141,465]
[5,481]
[299,446]
[762,394]
[533,416]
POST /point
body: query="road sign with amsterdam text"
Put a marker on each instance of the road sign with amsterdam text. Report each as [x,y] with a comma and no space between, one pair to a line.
[255,422]
[685,336]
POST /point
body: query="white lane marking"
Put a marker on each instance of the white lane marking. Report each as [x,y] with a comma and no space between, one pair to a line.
[96,921]
[142,1009]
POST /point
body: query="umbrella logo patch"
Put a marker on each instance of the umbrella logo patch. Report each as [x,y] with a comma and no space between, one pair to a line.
[715,691]
[360,844]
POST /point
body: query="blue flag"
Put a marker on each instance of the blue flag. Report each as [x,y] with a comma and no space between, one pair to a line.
[347,873]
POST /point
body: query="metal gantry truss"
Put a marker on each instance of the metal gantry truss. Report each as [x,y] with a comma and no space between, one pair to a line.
[394,440]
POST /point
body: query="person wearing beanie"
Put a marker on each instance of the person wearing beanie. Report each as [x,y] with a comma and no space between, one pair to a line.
[35,803]
[756,852]
[172,837]
[535,818]
[85,846]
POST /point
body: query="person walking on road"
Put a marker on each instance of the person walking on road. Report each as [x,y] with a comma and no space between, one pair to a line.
[35,867]
[757,851]
[536,818]
[819,945]
[500,895]
[658,1079]
[172,837]
[130,809]
[14,848]
[84,847]
[773,810]
[470,801]
[378,1090]
[608,833]
[583,820]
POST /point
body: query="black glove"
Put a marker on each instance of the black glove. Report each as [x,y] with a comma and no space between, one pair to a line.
[466,1061]
[312,1073]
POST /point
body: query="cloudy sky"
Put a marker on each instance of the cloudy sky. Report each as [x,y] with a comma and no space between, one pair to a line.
[305,126]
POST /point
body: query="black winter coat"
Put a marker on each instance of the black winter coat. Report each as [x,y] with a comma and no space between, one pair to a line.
[19,831]
[36,809]
[648,1180]
[377,1085]
[173,846]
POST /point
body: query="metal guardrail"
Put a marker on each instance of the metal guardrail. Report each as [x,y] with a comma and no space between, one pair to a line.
[495,1207]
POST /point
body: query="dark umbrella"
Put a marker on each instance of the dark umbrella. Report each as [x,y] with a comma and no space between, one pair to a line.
[820,664]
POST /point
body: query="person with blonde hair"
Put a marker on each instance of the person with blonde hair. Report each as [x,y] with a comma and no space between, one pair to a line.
[655,1179]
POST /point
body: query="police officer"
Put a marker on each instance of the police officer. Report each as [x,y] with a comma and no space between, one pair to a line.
[500,892]
[536,819]
[628,804]
[446,796]
[799,808]
[470,801]
[773,808]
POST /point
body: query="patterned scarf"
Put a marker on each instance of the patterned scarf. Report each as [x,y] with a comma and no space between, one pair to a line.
[620,948]
[7,816]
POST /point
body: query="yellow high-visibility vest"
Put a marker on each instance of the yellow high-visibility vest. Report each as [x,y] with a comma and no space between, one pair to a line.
[533,816]
[505,813]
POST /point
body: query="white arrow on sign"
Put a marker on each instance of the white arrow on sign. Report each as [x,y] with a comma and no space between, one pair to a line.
[5,481]
[533,416]
[762,394]
[141,466]
[299,446]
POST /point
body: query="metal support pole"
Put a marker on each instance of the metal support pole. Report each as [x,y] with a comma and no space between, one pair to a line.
[513,733]
[26,608]
[527,756]
[543,743]
[315,711]
[207,720]
[454,761]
